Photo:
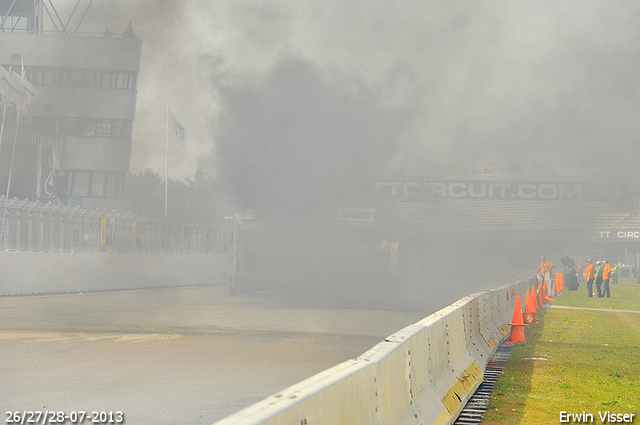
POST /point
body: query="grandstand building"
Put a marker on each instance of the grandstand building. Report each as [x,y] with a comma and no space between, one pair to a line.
[493,216]
[78,146]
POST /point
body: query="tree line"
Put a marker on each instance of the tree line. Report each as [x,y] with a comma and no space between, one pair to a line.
[196,198]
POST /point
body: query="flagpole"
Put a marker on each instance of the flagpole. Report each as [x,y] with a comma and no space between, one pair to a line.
[15,137]
[166,166]
[4,112]
[3,231]
[13,151]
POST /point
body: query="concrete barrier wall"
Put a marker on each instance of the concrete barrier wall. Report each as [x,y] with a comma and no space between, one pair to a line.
[422,374]
[44,272]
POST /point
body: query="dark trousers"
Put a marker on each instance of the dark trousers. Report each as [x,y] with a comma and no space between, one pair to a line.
[606,292]
[599,286]
[590,287]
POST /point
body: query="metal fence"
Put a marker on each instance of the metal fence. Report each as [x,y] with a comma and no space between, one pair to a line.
[47,227]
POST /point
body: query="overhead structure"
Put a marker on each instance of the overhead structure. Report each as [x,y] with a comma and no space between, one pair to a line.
[28,15]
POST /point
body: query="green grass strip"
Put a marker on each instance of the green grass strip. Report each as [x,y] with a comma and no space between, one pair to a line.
[580,361]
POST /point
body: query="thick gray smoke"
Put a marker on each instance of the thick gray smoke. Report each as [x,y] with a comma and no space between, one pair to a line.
[285,99]
[488,79]
[287,140]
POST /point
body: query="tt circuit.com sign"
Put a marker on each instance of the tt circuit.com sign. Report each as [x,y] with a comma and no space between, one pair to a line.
[433,190]
[620,234]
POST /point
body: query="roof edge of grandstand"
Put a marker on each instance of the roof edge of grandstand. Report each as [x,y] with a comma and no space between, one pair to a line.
[593,167]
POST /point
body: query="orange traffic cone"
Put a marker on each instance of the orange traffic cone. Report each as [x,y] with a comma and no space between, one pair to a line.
[546,297]
[533,300]
[533,308]
[539,295]
[517,326]
[529,314]
[559,283]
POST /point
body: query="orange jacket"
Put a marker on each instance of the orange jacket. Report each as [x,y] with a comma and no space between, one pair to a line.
[546,266]
[590,273]
[606,273]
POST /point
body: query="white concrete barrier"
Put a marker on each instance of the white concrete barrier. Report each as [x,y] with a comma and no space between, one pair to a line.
[46,272]
[422,374]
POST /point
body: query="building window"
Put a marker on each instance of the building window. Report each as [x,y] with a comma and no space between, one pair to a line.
[113,180]
[120,184]
[80,183]
[78,77]
[67,126]
[86,127]
[96,184]
[116,128]
[45,124]
[48,78]
[66,78]
[106,80]
[103,128]
[14,23]
[88,79]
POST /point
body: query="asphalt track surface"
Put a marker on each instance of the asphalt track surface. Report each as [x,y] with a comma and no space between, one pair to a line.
[190,355]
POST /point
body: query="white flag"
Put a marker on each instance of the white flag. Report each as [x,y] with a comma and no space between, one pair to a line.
[179,130]
[31,92]
[26,87]
[5,91]
[18,95]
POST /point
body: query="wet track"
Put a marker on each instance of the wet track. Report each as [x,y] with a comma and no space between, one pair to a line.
[189,355]
[177,355]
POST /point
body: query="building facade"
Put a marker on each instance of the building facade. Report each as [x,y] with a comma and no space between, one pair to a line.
[78,146]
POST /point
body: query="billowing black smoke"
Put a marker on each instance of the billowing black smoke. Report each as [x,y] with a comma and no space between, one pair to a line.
[286,141]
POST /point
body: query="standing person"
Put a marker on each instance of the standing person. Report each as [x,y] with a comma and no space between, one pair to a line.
[570,279]
[128,33]
[545,270]
[580,272]
[606,278]
[614,274]
[599,270]
[590,275]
